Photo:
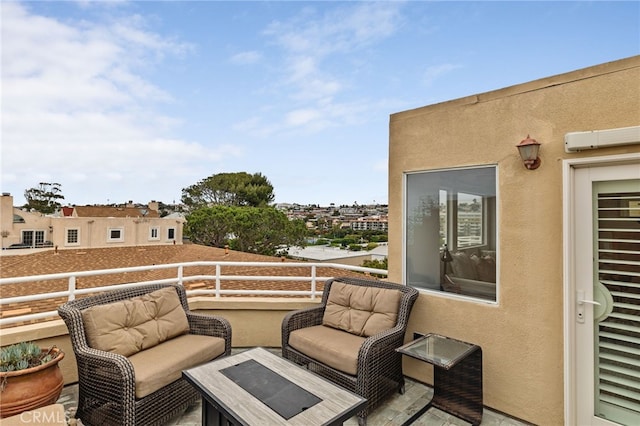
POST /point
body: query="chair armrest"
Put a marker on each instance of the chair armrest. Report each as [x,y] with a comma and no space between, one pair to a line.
[102,373]
[378,351]
[302,318]
[211,325]
[387,338]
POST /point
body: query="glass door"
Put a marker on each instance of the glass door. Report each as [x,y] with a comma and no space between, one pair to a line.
[33,238]
[616,290]
[604,300]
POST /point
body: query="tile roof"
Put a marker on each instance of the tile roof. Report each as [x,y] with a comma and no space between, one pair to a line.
[110,211]
[48,262]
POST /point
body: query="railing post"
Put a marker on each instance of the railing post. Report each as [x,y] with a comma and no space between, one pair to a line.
[72,287]
[218,269]
[313,282]
[180,275]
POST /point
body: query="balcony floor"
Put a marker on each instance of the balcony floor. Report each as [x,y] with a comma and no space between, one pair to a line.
[393,413]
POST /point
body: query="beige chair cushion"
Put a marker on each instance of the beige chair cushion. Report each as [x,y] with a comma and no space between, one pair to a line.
[335,348]
[162,364]
[363,311]
[136,324]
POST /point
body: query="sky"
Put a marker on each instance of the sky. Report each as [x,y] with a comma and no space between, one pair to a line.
[136,100]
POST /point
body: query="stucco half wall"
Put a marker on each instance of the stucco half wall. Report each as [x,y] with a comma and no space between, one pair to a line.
[522,334]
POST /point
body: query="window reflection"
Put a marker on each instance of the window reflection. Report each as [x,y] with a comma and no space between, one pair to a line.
[451,231]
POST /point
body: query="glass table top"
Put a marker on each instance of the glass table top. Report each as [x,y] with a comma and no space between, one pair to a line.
[438,350]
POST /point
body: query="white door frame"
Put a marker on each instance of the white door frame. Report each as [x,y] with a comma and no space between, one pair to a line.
[569,286]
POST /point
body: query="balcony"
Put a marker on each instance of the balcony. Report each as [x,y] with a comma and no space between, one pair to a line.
[397,410]
[254,304]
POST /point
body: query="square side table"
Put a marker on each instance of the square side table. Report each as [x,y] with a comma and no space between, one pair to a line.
[457,381]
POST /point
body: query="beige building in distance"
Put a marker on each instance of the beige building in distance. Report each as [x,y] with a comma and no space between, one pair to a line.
[87,227]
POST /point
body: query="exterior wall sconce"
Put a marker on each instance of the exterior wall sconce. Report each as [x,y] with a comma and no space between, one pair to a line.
[528,149]
[4,234]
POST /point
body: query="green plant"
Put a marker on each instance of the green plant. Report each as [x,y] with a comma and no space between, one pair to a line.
[23,355]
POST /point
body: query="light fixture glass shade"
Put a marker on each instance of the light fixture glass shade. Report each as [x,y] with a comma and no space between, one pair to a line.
[528,152]
[528,149]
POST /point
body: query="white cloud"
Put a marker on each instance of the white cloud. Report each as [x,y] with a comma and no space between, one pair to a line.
[302,116]
[340,30]
[249,57]
[78,109]
[309,43]
[434,72]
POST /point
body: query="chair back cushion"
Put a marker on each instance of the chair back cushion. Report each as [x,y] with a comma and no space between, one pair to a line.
[130,326]
[361,310]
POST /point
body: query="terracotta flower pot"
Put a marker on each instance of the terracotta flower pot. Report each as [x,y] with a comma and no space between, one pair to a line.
[31,388]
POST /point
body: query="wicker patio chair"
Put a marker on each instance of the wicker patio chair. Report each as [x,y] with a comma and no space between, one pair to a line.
[379,367]
[106,380]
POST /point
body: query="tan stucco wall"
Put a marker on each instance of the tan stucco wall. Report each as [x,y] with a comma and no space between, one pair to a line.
[93,231]
[522,335]
[254,321]
[33,221]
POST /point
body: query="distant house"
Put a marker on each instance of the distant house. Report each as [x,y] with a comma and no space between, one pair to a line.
[370,223]
[324,254]
[87,227]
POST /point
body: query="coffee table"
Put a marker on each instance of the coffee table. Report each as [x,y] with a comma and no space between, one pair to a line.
[457,378]
[257,387]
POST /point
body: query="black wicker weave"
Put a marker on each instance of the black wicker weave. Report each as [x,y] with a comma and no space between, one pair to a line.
[106,387]
[379,369]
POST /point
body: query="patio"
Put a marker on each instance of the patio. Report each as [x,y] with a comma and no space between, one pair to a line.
[258,318]
[393,413]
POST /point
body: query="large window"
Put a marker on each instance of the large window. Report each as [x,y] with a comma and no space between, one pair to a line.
[451,231]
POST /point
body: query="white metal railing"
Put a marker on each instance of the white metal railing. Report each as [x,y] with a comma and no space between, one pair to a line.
[180,278]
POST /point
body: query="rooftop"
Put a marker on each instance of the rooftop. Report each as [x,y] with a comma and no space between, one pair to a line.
[16,263]
[395,412]
[325,253]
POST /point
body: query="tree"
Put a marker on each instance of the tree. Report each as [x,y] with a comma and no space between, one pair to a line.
[229,189]
[261,230]
[44,198]
[377,264]
[210,226]
[266,231]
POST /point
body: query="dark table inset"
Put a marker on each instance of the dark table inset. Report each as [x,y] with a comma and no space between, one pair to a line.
[281,395]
